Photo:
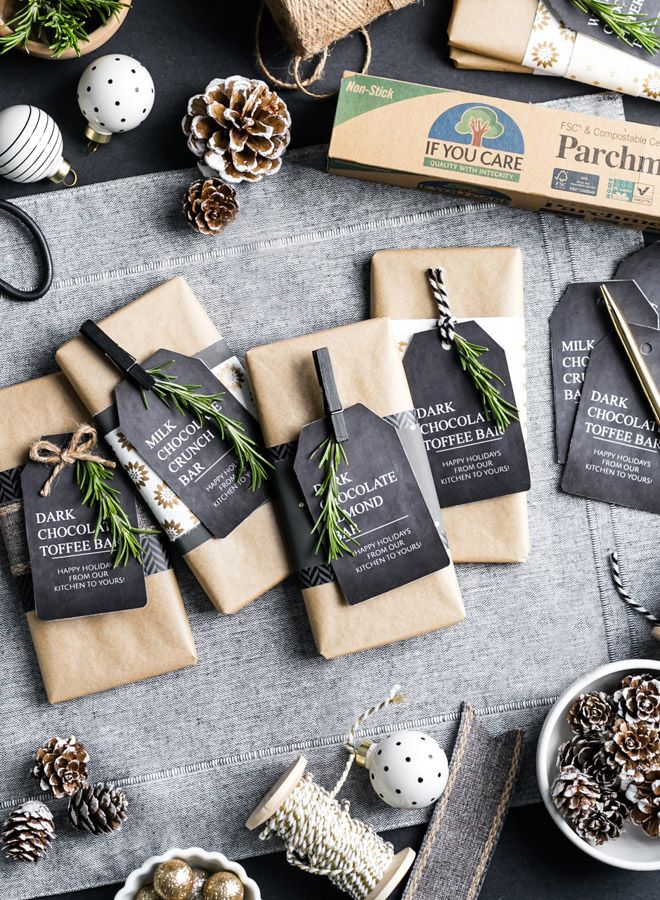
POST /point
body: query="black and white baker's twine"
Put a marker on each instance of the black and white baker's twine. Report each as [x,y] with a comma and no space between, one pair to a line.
[446,321]
[625,596]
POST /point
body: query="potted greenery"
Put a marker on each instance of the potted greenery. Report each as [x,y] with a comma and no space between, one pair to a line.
[61,30]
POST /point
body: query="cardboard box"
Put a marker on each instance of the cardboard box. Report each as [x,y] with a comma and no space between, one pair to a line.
[494,150]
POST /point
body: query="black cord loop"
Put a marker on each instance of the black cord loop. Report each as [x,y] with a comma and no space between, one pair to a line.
[44,285]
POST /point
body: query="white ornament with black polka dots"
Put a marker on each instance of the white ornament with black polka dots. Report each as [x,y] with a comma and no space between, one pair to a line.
[115,94]
[407,769]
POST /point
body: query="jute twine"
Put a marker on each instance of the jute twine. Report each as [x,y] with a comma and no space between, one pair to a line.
[310,26]
[79,448]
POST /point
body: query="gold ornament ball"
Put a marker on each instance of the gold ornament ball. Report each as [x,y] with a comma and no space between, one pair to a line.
[199,880]
[173,880]
[223,886]
[147,893]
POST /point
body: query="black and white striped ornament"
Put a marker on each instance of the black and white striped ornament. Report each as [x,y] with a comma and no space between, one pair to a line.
[31,147]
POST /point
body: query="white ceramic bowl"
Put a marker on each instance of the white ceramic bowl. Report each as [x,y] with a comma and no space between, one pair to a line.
[194,856]
[634,849]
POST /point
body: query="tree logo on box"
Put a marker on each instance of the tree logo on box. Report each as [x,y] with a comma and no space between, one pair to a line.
[480,122]
[476,139]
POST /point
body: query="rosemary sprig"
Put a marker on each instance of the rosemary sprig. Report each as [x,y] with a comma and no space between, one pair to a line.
[630,27]
[333,523]
[63,23]
[494,404]
[186,398]
[94,481]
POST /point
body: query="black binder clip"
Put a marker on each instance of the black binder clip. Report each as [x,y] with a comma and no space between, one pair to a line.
[123,360]
[331,402]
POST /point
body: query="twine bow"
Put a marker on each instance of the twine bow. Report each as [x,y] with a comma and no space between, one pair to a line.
[82,441]
[446,321]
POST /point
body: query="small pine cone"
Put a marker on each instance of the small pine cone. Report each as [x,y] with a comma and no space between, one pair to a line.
[634,749]
[639,698]
[589,757]
[61,766]
[604,821]
[209,205]
[591,715]
[28,832]
[239,127]
[98,808]
[645,795]
[574,793]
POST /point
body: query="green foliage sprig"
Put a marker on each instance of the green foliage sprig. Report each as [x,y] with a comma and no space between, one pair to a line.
[335,528]
[61,23]
[630,27]
[95,483]
[494,404]
[186,398]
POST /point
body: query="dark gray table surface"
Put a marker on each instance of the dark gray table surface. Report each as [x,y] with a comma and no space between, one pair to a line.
[184,45]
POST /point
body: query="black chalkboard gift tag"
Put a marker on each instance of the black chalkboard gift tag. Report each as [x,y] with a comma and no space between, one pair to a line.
[398,540]
[470,458]
[578,322]
[191,458]
[592,26]
[644,268]
[72,569]
[614,453]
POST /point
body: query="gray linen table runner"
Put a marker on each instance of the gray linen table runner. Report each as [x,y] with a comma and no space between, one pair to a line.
[196,749]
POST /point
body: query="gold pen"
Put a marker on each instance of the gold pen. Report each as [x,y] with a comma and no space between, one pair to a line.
[633,352]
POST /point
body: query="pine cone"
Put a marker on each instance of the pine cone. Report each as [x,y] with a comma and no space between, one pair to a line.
[240,127]
[634,749]
[28,832]
[592,714]
[590,758]
[639,698]
[574,793]
[602,822]
[98,808]
[645,796]
[61,766]
[209,205]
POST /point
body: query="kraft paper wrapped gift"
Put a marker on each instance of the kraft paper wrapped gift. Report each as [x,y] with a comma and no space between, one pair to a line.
[481,281]
[83,655]
[368,370]
[525,36]
[170,317]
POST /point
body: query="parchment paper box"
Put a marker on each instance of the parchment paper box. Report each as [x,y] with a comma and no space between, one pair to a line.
[83,655]
[482,281]
[500,151]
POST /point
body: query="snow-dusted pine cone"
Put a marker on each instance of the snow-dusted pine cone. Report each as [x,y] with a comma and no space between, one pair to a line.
[592,715]
[602,822]
[634,749]
[590,758]
[28,832]
[239,128]
[98,808]
[574,793]
[645,795]
[61,766]
[639,698]
[209,205]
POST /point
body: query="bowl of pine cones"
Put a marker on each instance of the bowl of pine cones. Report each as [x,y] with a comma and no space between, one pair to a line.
[598,764]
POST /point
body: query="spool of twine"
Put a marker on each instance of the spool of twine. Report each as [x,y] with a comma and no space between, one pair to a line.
[319,833]
[309,27]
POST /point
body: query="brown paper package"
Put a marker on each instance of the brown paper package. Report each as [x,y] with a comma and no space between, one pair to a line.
[367,370]
[481,281]
[463,59]
[171,317]
[499,30]
[92,653]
